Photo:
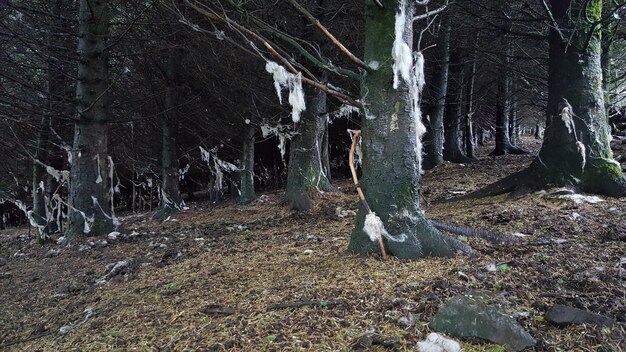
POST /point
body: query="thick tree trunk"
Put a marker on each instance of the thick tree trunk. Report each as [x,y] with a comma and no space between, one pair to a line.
[171,199]
[305,172]
[434,138]
[90,206]
[575,150]
[576,77]
[392,148]
[247,167]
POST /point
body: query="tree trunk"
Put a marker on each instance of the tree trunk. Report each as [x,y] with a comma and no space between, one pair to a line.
[503,108]
[513,127]
[434,138]
[305,172]
[325,150]
[392,148]
[576,77]
[39,215]
[171,199]
[469,111]
[247,167]
[90,207]
[575,150]
[452,151]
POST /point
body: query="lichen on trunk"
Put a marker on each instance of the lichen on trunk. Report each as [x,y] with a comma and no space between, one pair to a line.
[576,150]
[306,173]
[392,131]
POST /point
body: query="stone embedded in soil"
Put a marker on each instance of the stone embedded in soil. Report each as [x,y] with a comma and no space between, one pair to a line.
[561,315]
[471,315]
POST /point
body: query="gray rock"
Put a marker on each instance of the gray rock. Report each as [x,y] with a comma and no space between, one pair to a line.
[476,315]
[561,315]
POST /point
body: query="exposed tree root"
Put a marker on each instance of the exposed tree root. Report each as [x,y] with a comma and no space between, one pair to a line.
[536,177]
[471,232]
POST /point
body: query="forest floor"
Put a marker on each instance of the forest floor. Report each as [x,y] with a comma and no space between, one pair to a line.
[209,277]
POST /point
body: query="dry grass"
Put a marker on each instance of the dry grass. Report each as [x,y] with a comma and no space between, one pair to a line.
[247,258]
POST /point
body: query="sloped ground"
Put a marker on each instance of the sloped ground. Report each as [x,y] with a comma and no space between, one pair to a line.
[209,278]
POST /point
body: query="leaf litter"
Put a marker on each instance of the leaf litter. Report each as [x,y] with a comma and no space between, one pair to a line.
[260,277]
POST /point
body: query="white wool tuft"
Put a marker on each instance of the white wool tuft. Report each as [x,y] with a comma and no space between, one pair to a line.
[296,97]
[566,116]
[280,76]
[401,52]
[448,345]
[418,70]
[579,198]
[373,226]
[426,346]
[583,153]
[284,79]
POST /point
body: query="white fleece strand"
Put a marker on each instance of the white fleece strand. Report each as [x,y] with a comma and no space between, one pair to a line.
[401,51]
[219,166]
[567,118]
[287,80]
[437,343]
[374,225]
[416,93]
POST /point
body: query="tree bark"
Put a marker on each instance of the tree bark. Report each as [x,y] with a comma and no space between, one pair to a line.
[392,130]
[90,206]
[247,166]
[434,138]
[305,164]
[470,145]
[39,214]
[452,151]
[171,198]
[575,150]
[503,108]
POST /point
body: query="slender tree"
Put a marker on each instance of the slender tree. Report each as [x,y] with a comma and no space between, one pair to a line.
[247,166]
[434,138]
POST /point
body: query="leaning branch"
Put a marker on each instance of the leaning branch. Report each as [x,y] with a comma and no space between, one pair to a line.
[329,35]
[270,48]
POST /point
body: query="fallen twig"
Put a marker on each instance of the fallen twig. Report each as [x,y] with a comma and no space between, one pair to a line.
[320,304]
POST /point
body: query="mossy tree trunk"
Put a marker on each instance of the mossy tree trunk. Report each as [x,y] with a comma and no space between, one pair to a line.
[247,166]
[575,150]
[576,77]
[433,140]
[89,185]
[392,130]
[171,198]
[305,172]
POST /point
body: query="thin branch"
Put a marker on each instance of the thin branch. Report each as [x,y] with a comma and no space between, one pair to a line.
[329,35]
